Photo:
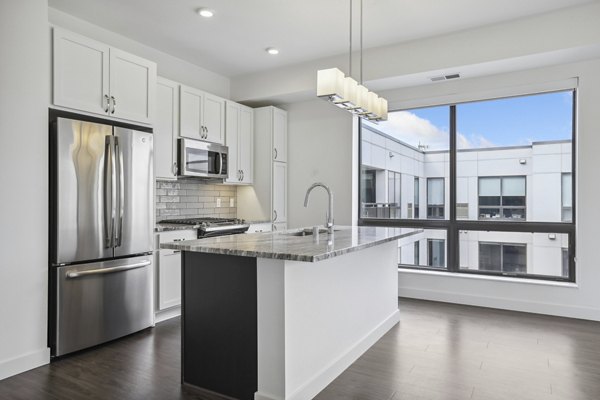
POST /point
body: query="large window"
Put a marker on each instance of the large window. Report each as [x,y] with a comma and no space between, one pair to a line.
[502,197]
[489,185]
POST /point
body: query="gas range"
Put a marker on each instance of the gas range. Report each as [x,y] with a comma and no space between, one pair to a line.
[211,226]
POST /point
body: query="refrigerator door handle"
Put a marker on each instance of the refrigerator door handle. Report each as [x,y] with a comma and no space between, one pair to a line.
[99,271]
[108,213]
[121,189]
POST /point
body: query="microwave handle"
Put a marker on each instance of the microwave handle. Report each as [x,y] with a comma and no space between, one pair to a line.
[220,158]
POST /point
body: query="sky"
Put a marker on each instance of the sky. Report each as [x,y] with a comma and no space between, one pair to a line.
[504,122]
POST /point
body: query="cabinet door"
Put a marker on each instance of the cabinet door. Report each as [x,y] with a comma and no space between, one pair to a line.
[165,129]
[232,126]
[246,144]
[190,112]
[132,87]
[214,118]
[169,279]
[279,192]
[279,135]
[80,72]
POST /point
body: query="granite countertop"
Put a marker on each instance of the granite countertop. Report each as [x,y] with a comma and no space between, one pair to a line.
[173,227]
[286,246]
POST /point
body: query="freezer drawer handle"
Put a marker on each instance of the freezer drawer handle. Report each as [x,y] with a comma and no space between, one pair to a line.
[100,271]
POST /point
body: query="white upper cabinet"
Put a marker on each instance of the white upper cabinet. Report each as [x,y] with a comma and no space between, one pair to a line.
[190,113]
[166,129]
[80,72]
[246,141]
[202,115]
[232,137]
[279,135]
[132,86]
[93,77]
[214,118]
[239,138]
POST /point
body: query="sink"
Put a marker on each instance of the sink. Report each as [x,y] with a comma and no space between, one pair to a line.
[307,232]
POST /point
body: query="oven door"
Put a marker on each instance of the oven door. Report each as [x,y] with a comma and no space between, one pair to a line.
[202,159]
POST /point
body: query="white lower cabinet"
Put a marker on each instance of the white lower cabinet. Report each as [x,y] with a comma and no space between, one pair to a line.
[169,269]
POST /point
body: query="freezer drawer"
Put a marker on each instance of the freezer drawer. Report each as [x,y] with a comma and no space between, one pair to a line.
[102,301]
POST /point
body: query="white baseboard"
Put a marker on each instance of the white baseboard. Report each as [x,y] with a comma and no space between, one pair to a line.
[24,363]
[324,377]
[559,310]
[264,396]
[169,313]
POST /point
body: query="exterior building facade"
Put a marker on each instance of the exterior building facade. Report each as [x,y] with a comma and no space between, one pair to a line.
[517,183]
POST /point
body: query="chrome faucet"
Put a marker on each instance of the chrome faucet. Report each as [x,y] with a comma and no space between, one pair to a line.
[329,215]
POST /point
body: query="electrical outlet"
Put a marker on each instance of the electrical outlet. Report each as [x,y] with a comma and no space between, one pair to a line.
[231,202]
[218,203]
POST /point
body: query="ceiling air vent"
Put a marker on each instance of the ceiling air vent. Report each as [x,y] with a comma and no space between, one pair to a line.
[444,77]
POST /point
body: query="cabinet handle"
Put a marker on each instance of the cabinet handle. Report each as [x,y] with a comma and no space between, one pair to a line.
[242,174]
[275,154]
[174,168]
[107,102]
[174,253]
[274,215]
[274,227]
[114,104]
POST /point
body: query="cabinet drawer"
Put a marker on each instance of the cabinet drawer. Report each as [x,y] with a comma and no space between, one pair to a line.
[176,236]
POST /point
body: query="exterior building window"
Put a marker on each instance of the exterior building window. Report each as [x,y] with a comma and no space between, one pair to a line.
[416,197]
[567,194]
[416,253]
[502,198]
[436,253]
[394,189]
[435,198]
[503,257]
[565,262]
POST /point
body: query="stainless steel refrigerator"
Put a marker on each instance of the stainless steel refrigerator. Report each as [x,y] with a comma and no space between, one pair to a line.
[101,232]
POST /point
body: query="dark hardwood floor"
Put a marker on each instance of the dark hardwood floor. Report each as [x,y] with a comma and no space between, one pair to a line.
[438,351]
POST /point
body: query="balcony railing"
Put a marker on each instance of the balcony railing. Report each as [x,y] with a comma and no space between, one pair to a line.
[380,210]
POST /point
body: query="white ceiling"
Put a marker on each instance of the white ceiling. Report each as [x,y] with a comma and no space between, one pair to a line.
[233,41]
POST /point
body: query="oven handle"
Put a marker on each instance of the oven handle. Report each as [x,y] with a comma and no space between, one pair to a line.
[72,275]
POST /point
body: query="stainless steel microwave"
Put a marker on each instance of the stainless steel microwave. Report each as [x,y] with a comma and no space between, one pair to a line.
[202,159]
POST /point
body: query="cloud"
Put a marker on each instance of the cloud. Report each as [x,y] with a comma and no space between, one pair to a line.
[414,130]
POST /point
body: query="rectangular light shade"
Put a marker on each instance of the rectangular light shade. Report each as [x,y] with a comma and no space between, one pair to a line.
[362,99]
[331,84]
[373,105]
[383,109]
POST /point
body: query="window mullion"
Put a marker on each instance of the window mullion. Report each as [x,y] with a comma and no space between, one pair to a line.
[452,233]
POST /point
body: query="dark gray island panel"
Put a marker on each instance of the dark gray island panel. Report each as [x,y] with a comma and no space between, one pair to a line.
[219,324]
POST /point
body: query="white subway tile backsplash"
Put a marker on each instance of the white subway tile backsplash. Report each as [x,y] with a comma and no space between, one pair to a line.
[191,199]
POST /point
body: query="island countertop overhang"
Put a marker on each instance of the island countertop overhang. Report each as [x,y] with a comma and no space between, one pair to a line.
[285,245]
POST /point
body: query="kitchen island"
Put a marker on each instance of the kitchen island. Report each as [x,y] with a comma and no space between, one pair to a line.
[279,315]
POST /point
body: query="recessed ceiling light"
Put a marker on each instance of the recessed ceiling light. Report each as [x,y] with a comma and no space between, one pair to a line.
[205,12]
[272,50]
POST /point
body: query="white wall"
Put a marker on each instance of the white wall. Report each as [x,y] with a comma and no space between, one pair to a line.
[23,209]
[168,66]
[320,142]
[581,300]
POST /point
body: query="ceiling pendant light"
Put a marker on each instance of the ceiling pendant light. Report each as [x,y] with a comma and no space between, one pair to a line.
[344,92]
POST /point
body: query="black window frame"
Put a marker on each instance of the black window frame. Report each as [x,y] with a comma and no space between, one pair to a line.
[453,226]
